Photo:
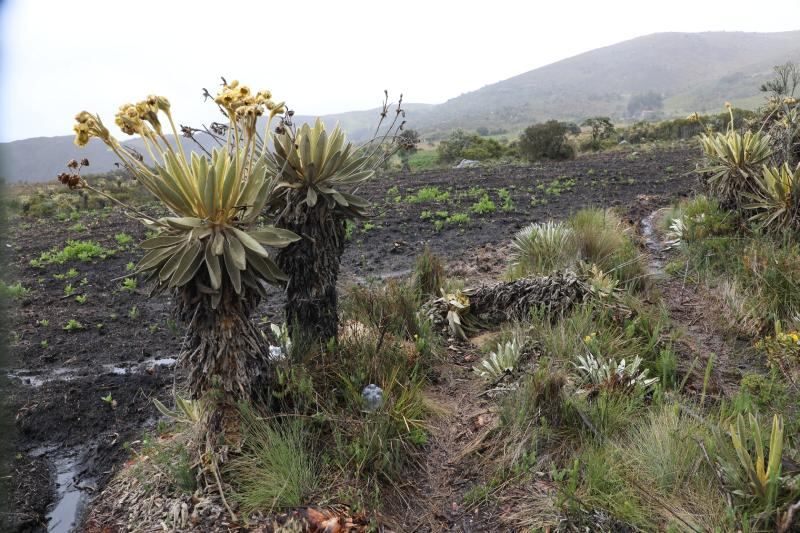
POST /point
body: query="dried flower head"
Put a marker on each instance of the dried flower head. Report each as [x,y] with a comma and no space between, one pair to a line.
[73,181]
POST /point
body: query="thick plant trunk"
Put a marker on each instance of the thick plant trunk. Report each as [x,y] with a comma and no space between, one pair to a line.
[312,264]
[225,355]
[490,305]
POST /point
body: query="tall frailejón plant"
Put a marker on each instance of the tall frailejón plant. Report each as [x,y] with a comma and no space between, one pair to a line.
[733,161]
[210,250]
[317,172]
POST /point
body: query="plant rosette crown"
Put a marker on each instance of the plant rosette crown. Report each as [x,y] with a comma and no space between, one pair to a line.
[215,201]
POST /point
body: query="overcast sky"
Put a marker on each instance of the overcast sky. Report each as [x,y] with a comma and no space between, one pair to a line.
[62,56]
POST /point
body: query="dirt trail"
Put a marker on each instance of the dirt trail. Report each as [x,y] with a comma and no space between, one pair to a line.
[449,469]
[696,316]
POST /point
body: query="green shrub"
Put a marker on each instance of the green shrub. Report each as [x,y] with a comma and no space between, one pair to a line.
[461,145]
[545,141]
[601,129]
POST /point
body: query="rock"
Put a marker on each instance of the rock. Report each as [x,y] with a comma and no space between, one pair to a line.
[467,163]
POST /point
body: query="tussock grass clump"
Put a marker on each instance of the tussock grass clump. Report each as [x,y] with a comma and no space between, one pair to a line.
[664,448]
[603,239]
[543,248]
[591,237]
[392,306]
[429,275]
[276,468]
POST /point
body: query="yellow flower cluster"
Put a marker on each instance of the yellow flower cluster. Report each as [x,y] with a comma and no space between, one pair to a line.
[782,347]
[589,338]
[790,101]
[132,118]
[239,100]
[88,126]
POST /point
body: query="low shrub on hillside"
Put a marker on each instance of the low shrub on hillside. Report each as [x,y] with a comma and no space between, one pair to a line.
[545,141]
[462,145]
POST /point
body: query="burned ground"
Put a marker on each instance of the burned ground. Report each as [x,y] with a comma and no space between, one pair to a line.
[85,393]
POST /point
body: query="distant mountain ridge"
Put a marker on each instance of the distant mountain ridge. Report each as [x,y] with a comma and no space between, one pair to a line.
[688,72]
[691,71]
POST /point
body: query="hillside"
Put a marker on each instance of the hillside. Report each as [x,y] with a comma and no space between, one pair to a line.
[686,71]
[691,71]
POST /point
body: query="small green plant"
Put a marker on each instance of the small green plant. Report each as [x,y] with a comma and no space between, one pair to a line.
[15,290]
[129,284]
[500,362]
[130,267]
[77,227]
[69,290]
[73,251]
[763,475]
[43,322]
[81,299]
[123,239]
[559,185]
[172,326]
[69,274]
[609,375]
[457,219]
[394,194]
[484,205]
[508,202]
[73,325]
[44,343]
[109,400]
[428,194]
[186,411]
[133,314]
[368,226]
